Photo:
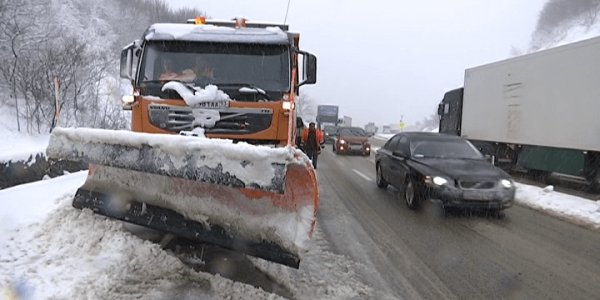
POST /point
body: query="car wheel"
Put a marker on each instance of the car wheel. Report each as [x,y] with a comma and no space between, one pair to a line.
[411,195]
[380,182]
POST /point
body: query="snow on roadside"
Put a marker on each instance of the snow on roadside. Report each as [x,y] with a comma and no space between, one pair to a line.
[578,210]
[74,254]
[17,146]
[19,208]
[50,250]
[322,275]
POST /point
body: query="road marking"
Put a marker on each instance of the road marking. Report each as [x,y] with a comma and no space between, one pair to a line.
[362,175]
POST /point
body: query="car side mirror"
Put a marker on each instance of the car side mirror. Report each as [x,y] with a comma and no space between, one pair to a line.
[399,153]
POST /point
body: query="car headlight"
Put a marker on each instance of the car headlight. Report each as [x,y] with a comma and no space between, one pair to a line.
[437,180]
[342,142]
[506,183]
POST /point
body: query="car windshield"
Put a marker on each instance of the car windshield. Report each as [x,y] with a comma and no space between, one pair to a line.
[352,132]
[444,149]
[330,129]
[252,65]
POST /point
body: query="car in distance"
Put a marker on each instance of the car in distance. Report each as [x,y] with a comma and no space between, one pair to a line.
[444,168]
[328,133]
[351,140]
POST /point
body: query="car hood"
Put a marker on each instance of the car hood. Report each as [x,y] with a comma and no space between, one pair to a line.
[457,168]
[354,139]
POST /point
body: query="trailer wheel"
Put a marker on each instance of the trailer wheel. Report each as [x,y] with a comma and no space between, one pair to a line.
[595,182]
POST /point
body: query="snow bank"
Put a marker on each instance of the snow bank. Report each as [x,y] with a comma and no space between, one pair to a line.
[19,208]
[75,254]
[64,253]
[578,210]
[19,146]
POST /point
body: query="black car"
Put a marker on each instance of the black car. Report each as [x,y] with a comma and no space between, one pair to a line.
[445,168]
[328,133]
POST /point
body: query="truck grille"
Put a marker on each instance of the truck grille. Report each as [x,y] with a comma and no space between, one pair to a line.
[233,120]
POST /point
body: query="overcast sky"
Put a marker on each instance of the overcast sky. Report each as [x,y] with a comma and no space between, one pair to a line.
[383,59]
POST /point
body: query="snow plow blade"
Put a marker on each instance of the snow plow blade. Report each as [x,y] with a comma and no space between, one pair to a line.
[256,200]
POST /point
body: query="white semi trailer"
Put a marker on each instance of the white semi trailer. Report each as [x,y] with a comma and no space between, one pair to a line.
[537,112]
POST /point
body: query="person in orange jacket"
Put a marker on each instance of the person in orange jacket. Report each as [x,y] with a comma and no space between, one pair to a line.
[312,138]
[299,128]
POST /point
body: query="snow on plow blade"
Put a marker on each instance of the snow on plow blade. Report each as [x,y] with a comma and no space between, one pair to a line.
[253,199]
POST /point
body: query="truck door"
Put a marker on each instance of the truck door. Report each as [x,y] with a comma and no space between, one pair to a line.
[450,112]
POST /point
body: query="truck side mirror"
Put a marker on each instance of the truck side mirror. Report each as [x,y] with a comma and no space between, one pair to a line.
[309,69]
[441,109]
[126,62]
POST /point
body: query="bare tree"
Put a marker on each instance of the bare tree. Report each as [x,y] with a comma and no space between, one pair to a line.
[558,16]
[37,44]
[306,107]
[428,123]
[16,34]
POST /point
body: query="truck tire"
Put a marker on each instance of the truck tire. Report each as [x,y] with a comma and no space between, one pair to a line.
[595,182]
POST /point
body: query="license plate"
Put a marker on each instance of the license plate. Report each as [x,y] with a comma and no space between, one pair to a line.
[477,196]
[211,104]
[355,147]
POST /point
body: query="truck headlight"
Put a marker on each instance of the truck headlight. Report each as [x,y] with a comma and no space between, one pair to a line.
[506,183]
[286,105]
[127,99]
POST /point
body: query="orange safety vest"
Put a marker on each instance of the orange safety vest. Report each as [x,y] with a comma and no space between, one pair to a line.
[318,135]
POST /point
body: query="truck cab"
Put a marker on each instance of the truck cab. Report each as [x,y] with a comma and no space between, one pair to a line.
[243,79]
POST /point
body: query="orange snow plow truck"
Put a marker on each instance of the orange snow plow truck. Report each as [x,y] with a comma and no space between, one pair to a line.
[211,154]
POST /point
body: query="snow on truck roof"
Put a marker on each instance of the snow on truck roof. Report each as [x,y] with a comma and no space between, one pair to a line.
[211,33]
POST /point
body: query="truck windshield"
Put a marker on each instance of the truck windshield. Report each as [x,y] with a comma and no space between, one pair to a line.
[242,65]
